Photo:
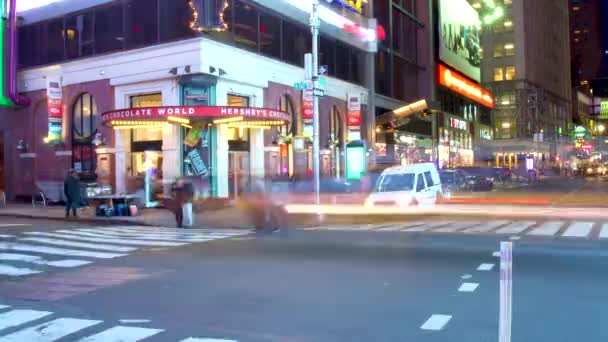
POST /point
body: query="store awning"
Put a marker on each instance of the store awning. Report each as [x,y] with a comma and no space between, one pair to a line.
[184,115]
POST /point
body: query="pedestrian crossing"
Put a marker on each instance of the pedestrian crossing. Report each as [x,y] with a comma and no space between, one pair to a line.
[34,252]
[19,325]
[547,229]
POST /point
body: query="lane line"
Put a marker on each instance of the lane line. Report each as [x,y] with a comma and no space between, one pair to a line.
[604,231]
[57,251]
[41,261]
[13,271]
[14,318]
[468,287]
[547,229]
[515,227]
[578,229]
[122,334]
[85,245]
[485,267]
[49,331]
[121,241]
[436,322]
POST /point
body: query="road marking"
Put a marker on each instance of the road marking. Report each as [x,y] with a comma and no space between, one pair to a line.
[515,227]
[604,231]
[4,307]
[514,237]
[496,254]
[436,322]
[486,227]
[80,236]
[14,318]
[121,235]
[485,267]
[468,287]
[6,236]
[192,339]
[49,331]
[57,251]
[15,225]
[122,334]
[40,261]
[59,242]
[16,271]
[184,232]
[547,229]
[578,229]
[438,224]
[456,226]
[403,227]
[467,276]
[134,321]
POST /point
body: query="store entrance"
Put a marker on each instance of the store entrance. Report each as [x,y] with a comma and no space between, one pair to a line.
[239,177]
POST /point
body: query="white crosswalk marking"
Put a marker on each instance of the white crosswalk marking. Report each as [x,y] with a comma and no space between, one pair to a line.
[81,236]
[604,231]
[57,251]
[401,226]
[122,334]
[192,339]
[85,245]
[49,331]
[139,236]
[33,259]
[4,307]
[9,270]
[515,227]
[14,318]
[456,226]
[485,227]
[547,228]
[578,229]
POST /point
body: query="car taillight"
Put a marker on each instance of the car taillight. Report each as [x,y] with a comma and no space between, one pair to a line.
[414,201]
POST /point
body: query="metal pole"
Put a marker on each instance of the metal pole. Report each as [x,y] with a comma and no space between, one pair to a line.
[314,25]
[506,291]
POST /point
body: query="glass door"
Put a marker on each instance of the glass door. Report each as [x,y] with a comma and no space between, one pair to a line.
[239,177]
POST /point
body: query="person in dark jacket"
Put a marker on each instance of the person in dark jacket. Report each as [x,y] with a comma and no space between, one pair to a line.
[71,189]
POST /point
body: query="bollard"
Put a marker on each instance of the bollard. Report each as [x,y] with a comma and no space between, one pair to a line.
[506,291]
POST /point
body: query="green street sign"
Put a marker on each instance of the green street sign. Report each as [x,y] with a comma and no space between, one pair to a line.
[304,85]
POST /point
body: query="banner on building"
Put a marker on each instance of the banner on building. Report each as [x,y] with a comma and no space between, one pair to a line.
[354,110]
[604,109]
[54,100]
[307,104]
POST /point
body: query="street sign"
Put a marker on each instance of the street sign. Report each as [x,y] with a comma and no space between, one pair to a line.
[303,85]
[318,92]
[322,83]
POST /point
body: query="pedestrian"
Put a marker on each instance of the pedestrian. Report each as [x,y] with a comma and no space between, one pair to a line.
[182,205]
[71,190]
[176,204]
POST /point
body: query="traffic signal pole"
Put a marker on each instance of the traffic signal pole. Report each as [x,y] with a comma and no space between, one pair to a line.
[314,26]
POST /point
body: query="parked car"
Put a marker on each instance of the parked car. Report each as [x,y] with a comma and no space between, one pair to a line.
[478,178]
[403,186]
[451,181]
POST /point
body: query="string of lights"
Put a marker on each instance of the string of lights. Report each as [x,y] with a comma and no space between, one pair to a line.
[223,25]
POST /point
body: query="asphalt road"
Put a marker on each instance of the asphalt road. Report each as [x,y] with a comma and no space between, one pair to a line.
[297,286]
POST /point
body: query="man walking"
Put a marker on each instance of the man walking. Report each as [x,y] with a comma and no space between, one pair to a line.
[71,189]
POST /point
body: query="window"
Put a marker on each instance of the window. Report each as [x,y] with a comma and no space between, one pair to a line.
[245,26]
[508,25]
[383,74]
[508,2]
[419,183]
[342,58]
[175,20]
[429,178]
[84,127]
[509,49]
[510,73]
[499,50]
[327,55]
[335,125]
[286,105]
[297,41]
[142,23]
[238,101]
[498,74]
[55,41]
[79,35]
[109,29]
[270,35]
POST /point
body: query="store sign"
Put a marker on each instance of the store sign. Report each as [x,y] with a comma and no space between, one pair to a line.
[587,146]
[354,110]
[198,166]
[54,101]
[458,124]
[351,5]
[456,82]
[194,111]
[604,109]
[307,104]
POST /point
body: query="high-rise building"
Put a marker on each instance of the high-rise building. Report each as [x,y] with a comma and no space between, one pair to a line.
[525,65]
[585,40]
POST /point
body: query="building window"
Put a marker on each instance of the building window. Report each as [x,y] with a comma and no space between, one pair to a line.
[245,26]
[175,20]
[109,29]
[498,74]
[508,24]
[286,105]
[509,49]
[142,23]
[508,2]
[84,127]
[510,73]
[270,35]
[335,125]
[238,101]
[499,50]
[297,41]
[79,35]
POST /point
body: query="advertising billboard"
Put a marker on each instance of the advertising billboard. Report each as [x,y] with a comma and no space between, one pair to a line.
[604,109]
[459,45]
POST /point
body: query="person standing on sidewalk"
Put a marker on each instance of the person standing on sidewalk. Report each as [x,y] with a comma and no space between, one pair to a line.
[71,190]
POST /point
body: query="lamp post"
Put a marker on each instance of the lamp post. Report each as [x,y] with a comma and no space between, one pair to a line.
[314,26]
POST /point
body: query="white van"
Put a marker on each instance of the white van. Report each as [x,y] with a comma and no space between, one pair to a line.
[417,184]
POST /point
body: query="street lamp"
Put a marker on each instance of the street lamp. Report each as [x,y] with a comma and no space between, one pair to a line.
[601,128]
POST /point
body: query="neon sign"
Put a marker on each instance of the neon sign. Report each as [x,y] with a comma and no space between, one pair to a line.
[456,82]
[351,5]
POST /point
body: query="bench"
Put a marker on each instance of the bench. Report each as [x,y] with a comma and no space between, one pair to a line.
[48,192]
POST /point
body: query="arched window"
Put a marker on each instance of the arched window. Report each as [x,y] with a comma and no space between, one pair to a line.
[84,127]
[286,105]
[335,126]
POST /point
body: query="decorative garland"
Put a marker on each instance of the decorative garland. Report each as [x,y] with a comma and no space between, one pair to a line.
[223,26]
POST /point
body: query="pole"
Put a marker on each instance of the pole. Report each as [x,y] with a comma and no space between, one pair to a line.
[506,291]
[314,25]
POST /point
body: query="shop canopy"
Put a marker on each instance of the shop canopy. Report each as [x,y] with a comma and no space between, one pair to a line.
[184,115]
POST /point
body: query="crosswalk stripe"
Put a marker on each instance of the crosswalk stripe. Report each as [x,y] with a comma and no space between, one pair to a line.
[33,259]
[122,334]
[99,246]
[515,227]
[456,227]
[81,236]
[401,226]
[192,339]
[14,318]
[578,229]
[485,227]
[116,234]
[49,331]
[547,229]
[57,251]
[438,224]
[13,271]
[4,307]
[6,236]
[159,230]
[604,231]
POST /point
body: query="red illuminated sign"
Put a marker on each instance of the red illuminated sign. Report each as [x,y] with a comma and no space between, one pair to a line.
[307,104]
[194,111]
[354,110]
[587,146]
[456,82]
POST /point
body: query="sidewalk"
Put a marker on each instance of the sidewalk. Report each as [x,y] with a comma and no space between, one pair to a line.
[227,217]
